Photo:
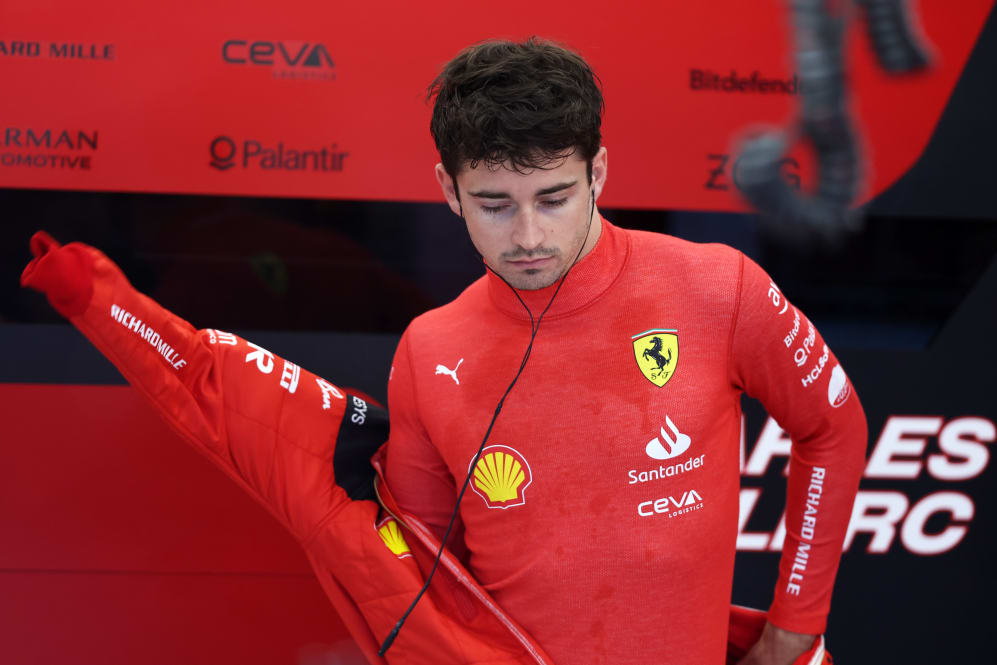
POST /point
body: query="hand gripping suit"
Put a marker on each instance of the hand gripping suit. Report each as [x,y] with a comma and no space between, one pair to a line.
[302,447]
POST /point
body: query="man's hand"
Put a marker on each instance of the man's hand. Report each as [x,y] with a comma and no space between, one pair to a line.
[777,647]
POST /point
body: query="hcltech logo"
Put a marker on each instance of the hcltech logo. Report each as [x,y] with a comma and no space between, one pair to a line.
[290,60]
[227,153]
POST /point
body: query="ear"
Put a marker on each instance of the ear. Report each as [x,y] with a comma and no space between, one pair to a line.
[600,165]
[449,191]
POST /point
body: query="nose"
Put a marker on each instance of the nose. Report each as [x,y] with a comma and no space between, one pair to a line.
[526,230]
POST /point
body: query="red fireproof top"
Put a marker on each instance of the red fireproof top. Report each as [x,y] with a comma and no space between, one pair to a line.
[602,515]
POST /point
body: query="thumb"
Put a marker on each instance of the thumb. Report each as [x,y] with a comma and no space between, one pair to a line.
[41,243]
[63,274]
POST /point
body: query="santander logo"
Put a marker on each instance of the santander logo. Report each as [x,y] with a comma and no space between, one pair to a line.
[838,388]
[669,445]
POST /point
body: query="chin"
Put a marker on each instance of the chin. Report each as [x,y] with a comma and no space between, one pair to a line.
[532,280]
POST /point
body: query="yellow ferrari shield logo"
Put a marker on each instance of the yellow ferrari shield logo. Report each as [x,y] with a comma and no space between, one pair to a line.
[657,354]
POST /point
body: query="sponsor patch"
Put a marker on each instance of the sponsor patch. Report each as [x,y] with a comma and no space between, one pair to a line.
[689,501]
[657,354]
[838,388]
[501,477]
[668,445]
[392,537]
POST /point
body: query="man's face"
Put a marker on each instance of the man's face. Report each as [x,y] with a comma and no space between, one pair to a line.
[529,226]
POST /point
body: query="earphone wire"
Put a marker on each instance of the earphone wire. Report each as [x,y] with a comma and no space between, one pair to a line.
[534,329]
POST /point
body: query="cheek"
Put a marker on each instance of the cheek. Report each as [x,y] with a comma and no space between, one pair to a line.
[489,239]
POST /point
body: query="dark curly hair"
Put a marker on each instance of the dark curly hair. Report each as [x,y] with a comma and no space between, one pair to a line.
[527,104]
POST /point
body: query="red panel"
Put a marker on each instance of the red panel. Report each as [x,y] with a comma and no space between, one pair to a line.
[129,619]
[160,92]
[122,545]
[92,480]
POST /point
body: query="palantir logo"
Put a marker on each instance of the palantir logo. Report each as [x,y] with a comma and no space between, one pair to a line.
[254,154]
[223,153]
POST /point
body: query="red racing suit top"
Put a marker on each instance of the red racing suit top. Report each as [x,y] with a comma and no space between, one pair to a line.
[602,515]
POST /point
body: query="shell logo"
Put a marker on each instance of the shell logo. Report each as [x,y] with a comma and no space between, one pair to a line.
[501,477]
[392,537]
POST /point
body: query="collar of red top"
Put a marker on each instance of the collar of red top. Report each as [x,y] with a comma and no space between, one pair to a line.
[586,281]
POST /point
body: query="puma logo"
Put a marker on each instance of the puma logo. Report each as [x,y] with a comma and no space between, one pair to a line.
[452,373]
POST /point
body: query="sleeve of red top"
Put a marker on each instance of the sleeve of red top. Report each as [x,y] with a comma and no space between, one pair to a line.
[264,421]
[418,476]
[779,358]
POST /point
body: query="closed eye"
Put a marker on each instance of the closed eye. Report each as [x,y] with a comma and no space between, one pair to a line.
[547,203]
[555,203]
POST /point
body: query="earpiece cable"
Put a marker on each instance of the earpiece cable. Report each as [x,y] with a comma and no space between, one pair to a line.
[534,329]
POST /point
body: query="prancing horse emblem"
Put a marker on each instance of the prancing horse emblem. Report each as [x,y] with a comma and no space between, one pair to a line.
[654,351]
[657,354]
[452,373]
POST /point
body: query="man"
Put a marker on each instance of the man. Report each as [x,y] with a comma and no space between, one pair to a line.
[602,511]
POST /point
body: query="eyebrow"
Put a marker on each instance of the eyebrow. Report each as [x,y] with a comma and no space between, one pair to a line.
[487,194]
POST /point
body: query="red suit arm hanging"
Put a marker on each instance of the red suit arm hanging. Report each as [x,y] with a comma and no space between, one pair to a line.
[298,444]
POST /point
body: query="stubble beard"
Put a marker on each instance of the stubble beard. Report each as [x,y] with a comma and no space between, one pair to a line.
[536,279]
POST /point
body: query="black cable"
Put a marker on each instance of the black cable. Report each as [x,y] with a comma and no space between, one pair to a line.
[534,329]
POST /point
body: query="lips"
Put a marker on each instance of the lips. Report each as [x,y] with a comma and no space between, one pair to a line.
[527,264]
